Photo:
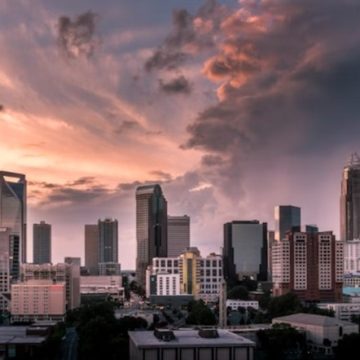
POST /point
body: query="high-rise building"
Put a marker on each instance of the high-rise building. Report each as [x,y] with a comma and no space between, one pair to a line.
[42,243]
[92,248]
[245,250]
[108,240]
[151,228]
[4,269]
[309,265]
[13,210]
[287,218]
[352,257]
[178,234]
[350,200]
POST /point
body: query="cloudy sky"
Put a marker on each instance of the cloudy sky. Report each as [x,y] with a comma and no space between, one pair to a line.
[233,106]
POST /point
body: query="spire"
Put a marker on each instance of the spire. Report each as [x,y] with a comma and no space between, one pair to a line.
[354,160]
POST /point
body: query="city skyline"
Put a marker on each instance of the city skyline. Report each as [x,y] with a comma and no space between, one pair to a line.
[228,132]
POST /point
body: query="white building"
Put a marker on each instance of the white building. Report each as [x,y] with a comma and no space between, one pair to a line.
[235,304]
[343,311]
[351,279]
[38,300]
[319,328]
[189,344]
[188,274]
[352,256]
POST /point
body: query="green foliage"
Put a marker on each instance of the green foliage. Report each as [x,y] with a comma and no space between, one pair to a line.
[200,314]
[137,289]
[347,347]
[239,292]
[51,348]
[101,335]
[282,342]
[284,305]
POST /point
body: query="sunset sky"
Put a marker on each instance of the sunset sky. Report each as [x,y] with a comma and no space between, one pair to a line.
[232,106]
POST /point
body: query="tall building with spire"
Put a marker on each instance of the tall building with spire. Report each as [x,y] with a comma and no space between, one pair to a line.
[13,212]
[350,200]
[151,228]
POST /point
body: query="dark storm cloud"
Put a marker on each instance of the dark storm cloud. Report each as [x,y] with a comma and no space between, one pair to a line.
[78,37]
[190,34]
[161,175]
[179,85]
[85,180]
[211,160]
[290,75]
[127,125]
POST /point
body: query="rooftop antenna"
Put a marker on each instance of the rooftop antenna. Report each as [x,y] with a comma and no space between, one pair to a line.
[354,160]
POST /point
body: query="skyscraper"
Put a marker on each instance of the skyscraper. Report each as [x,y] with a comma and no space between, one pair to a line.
[350,200]
[151,227]
[245,250]
[13,209]
[287,218]
[108,240]
[178,235]
[42,243]
[92,248]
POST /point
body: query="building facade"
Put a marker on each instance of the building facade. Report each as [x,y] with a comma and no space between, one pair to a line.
[13,210]
[92,248]
[287,218]
[5,275]
[352,256]
[42,243]
[151,228]
[317,328]
[310,265]
[350,200]
[188,274]
[189,344]
[178,234]
[58,273]
[245,250]
[108,240]
[38,300]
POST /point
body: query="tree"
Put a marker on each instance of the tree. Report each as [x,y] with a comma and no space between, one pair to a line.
[239,292]
[284,305]
[200,314]
[282,342]
[347,347]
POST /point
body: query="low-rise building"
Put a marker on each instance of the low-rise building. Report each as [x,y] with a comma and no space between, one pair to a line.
[22,342]
[37,300]
[189,274]
[186,344]
[235,304]
[342,311]
[351,294]
[351,279]
[58,273]
[102,286]
[322,332]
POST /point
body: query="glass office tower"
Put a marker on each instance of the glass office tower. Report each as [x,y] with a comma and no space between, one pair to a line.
[350,200]
[151,227]
[287,218]
[13,211]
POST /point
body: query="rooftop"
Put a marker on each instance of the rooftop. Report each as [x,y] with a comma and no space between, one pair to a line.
[17,335]
[188,338]
[311,319]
